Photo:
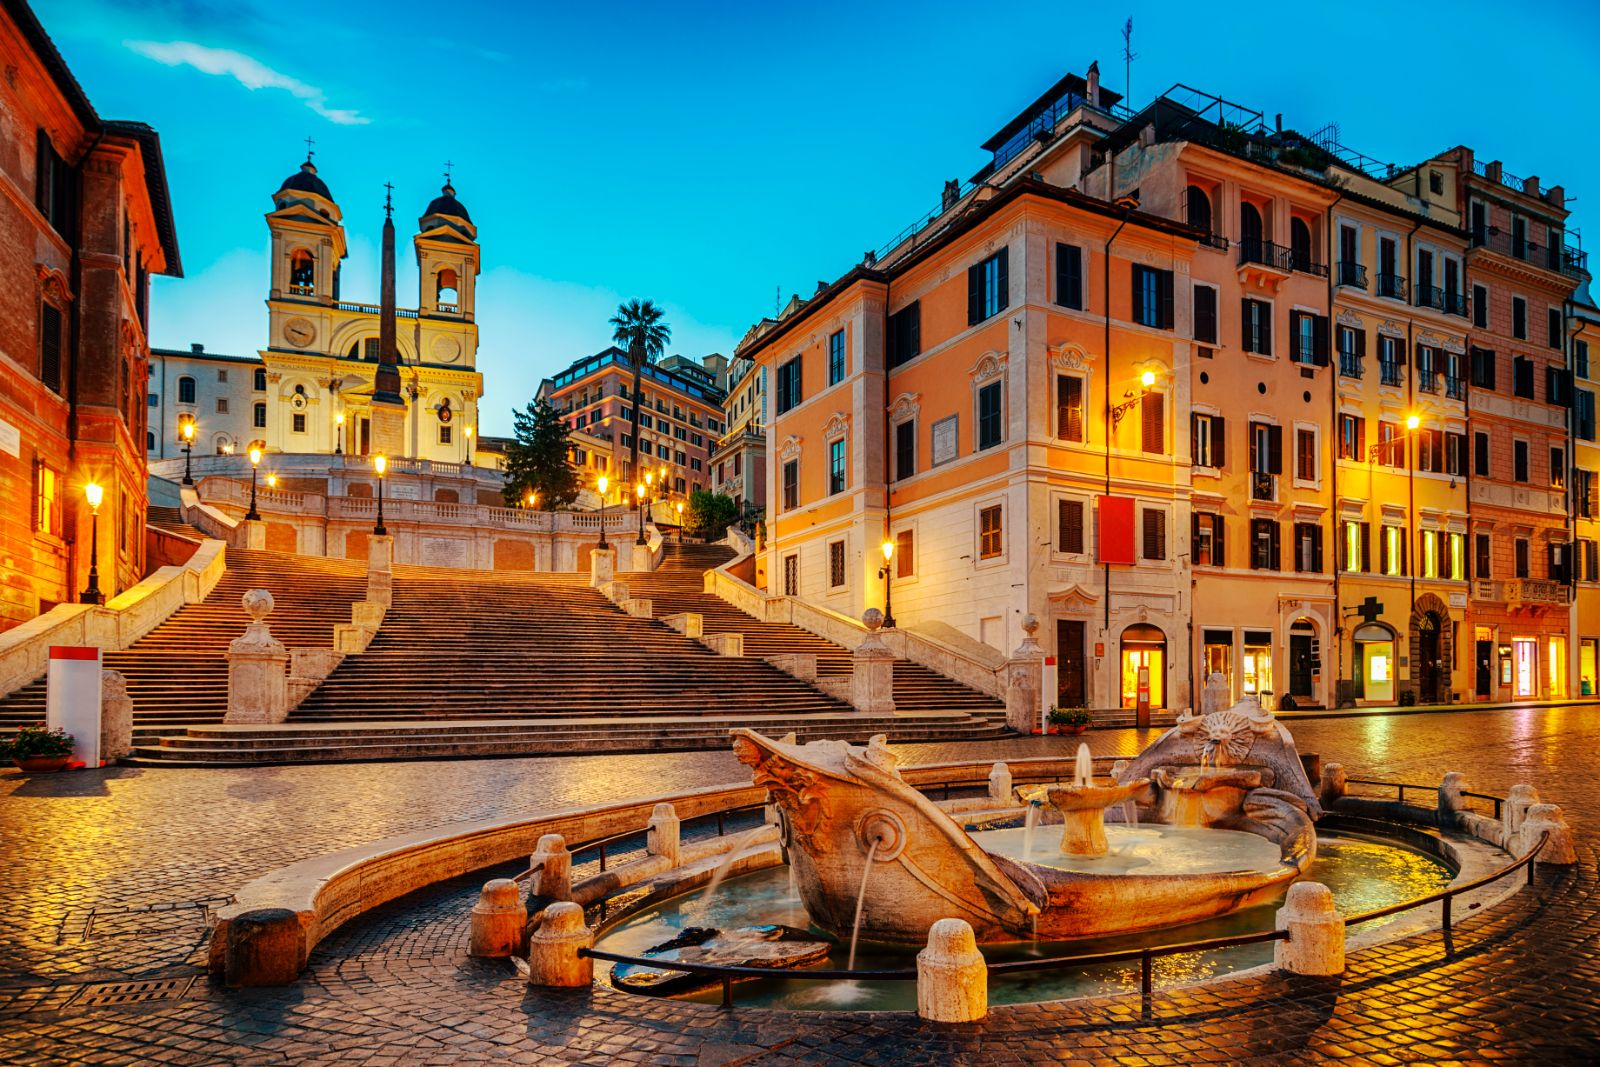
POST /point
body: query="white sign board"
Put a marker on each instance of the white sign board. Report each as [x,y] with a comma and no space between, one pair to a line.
[72,699]
[10,439]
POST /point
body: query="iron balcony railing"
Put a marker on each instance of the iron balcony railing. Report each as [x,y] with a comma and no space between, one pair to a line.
[1353,274]
[1392,286]
[1455,387]
[1562,258]
[1427,381]
[1350,365]
[1432,296]
[1263,486]
[1304,264]
[1264,252]
[1390,372]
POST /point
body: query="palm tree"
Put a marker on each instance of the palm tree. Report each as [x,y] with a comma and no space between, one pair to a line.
[640,327]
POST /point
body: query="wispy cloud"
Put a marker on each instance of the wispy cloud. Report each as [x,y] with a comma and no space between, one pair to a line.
[247,71]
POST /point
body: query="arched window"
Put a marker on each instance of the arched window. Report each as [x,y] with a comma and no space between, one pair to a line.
[149,440]
[447,295]
[186,390]
[1299,244]
[1250,231]
[224,445]
[302,273]
[1199,209]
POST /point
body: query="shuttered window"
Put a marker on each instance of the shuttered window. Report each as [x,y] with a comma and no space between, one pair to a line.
[905,449]
[988,288]
[991,533]
[1155,534]
[1069,276]
[1153,423]
[1152,297]
[905,334]
[1205,314]
[1256,326]
[50,339]
[1069,408]
[991,425]
[1069,526]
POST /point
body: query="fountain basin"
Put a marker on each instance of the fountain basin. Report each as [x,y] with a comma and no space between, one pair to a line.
[1202,796]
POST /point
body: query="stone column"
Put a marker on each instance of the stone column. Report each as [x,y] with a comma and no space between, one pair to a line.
[553,958]
[554,879]
[1025,681]
[952,979]
[602,567]
[1316,932]
[498,919]
[116,717]
[380,569]
[662,835]
[872,679]
[1000,784]
[258,687]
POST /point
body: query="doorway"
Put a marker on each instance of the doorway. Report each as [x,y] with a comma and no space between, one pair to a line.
[1144,659]
[1071,667]
[1374,663]
[1483,651]
[1257,666]
[1428,665]
[1525,666]
[1302,661]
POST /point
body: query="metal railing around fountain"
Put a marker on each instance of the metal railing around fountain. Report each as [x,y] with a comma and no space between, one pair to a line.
[1401,787]
[1146,957]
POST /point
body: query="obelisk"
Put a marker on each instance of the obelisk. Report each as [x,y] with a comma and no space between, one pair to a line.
[388,406]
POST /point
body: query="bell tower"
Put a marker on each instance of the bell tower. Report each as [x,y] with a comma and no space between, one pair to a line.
[308,245]
[447,276]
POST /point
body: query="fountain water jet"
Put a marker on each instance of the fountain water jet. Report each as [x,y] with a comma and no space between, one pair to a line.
[861,899]
[1083,807]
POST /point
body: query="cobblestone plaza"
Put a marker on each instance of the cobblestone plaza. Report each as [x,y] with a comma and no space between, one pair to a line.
[110,876]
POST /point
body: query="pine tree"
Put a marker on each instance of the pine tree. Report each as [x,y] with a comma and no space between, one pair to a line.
[536,460]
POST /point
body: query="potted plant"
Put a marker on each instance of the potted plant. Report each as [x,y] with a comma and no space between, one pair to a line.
[1069,720]
[38,750]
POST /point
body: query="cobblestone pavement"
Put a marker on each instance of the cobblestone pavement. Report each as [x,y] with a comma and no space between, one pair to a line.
[108,877]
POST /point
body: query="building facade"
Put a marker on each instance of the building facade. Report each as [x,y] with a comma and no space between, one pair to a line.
[85,218]
[739,461]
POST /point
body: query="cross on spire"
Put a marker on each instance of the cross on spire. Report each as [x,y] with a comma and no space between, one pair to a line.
[309,152]
[448,166]
[388,199]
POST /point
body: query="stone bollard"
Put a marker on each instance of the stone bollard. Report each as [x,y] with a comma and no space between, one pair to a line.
[554,879]
[1000,784]
[1559,850]
[952,978]
[116,717]
[1332,787]
[662,836]
[258,681]
[1520,799]
[872,673]
[553,958]
[1451,801]
[498,920]
[1316,932]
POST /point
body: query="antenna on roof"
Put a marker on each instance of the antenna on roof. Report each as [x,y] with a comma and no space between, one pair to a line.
[1128,56]
[777,298]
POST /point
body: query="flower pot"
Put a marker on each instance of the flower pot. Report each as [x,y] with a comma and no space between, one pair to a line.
[1075,729]
[40,764]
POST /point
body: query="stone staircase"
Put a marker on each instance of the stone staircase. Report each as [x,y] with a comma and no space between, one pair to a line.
[170,520]
[178,673]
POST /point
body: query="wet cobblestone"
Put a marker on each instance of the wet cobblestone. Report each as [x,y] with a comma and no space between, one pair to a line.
[109,876]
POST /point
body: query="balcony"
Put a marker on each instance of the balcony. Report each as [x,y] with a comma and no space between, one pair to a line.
[1427,381]
[1535,591]
[1350,365]
[1392,286]
[1455,387]
[1391,372]
[1303,263]
[1263,487]
[1263,252]
[1353,275]
[1431,296]
[1485,589]
[1562,259]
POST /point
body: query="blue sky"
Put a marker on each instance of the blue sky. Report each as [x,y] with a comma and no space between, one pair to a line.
[708,155]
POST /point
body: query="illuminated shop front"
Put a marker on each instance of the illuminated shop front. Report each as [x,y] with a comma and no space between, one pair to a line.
[1144,648]
[1375,663]
[1256,665]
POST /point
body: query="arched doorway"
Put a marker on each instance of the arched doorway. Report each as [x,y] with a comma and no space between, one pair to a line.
[1303,661]
[1144,658]
[1428,659]
[1432,645]
[1373,662]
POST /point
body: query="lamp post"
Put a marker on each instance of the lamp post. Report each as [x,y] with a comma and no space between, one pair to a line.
[272,481]
[680,522]
[338,421]
[255,461]
[92,595]
[641,491]
[380,463]
[1147,380]
[187,430]
[1412,422]
[531,499]
[601,483]
[888,582]
[469,446]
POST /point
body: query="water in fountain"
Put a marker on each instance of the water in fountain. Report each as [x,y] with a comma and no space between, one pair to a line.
[861,899]
[727,861]
[1029,822]
[1083,771]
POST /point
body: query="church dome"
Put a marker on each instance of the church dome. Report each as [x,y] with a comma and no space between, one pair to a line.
[447,204]
[305,180]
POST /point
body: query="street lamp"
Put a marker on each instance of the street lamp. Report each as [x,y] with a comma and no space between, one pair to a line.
[640,491]
[272,481]
[469,446]
[601,483]
[1147,380]
[888,585]
[532,499]
[92,595]
[380,463]
[680,522]
[186,428]
[255,461]
[338,420]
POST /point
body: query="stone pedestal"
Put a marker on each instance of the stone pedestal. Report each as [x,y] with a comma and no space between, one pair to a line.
[1000,784]
[1316,931]
[380,570]
[264,948]
[498,919]
[602,567]
[255,534]
[553,881]
[257,668]
[872,675]
[662,835]
[642,559]
[116,717]
[1024,682]
[553,958]
[952,979]
[388,427]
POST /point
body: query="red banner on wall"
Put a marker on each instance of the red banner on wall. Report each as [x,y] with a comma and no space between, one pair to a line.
[1116,529]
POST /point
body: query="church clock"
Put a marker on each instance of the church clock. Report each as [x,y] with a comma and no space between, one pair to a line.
[299,332]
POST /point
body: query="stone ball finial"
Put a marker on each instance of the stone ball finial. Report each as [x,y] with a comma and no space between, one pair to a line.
[257,604]
[872,619]
[1030,625]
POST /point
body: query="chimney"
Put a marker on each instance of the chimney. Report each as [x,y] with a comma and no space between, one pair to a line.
[1556,195]
[1530,185]
[196,348]
[952,193]
[1277,122]
[1093,79]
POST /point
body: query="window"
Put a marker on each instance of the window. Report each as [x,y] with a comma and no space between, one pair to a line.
[302,273]
[1352,437]
[1519,318]
[1522,377]
[1482,368]
[1299,245]
[1305,455]
[791,484]
[1427,369]
[1266,448]
[1352,350]
[1069,276]
[791,574]
[1428,565]
[1583,414]
[988,288]
[186,390]
[835,564]
[1480,454]
[1558,468]
[905,559]
[1205,314]
[1256,316]
[1152,297]
[990,533]
[1392,552]
[836,357]
[1155,534]
[1519,460]
[1481,551]
[836,479]
[991,430]
[1583,495]
[222,405]
[1480,305]
[1557,331]
[1069,527]
[905,449]
[260,417]
[444,435]
[1207,539]
[1520,548]
[1455,453]
[1308,547]
[1308,335]
[1430,450]
[222,374]
[905,334]
[153,399]
[1555,386]
[260,380]
[1153,424]
[53,187]
[789,385]
[1264,544]
[1209,439]
[1391,446]
[1580,358]
[47,500]
[299,423]
[1355,548]
[1199,205]
[1519,237]
[1069,408]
